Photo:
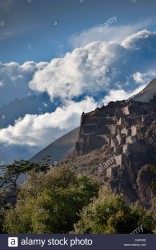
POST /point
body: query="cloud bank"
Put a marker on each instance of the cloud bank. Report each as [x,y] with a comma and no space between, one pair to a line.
[114,32]
[99,66]
[40,130]
[15,79]
[99,71]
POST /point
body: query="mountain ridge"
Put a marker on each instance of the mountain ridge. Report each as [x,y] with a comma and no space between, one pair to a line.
[58,149]
[147,93]
[124,131]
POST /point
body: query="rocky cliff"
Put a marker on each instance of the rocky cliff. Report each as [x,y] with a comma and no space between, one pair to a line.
[117,145]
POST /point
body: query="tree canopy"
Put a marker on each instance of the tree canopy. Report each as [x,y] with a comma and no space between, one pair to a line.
[59,200]
[50,202]
[109,214]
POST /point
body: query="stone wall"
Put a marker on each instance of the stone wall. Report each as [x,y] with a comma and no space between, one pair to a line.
[115,126]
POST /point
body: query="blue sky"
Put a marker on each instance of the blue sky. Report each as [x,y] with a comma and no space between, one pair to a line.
[31,23]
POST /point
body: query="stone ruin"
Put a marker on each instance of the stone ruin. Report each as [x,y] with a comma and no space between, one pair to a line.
[115,128]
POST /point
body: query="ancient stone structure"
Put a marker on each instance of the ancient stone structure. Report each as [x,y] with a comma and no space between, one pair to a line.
[124,129]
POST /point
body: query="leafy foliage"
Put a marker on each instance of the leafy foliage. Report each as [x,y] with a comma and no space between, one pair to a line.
[50,202]
[57,200]
[110,214]
[12,173]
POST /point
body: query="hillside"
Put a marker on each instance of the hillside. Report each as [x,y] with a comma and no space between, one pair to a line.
[147,93]
[117,145]
[59,148]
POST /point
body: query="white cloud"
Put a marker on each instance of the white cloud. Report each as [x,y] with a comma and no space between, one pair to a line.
[112,33]
[138,77]
[31,66]
[40,130]
[119,95]
[84,69]
[142,78]
[99,69]
[76,73]
[16,79]
[138,40]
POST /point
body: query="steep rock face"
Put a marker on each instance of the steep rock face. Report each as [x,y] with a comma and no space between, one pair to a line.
[115,143]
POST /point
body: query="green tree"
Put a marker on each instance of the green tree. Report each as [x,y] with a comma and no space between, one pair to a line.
[2,213]
[11,174]
[50,202]
[110,214]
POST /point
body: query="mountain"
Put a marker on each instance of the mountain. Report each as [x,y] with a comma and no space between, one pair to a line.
[147,93]
[55,147]
[117,145]
[59,149]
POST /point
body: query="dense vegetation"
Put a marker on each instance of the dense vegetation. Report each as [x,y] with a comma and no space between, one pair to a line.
[57,200]
[109,214]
